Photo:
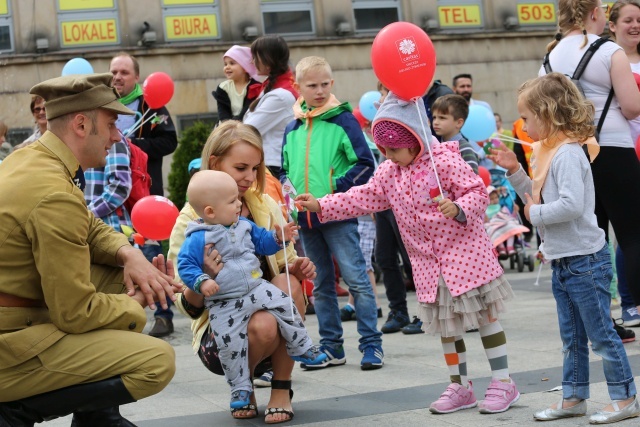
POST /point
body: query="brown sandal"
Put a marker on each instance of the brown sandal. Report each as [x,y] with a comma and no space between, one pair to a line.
[280,385]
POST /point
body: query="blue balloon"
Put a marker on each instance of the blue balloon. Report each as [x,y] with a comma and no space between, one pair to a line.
[480,123]
[77,66]
[367,108]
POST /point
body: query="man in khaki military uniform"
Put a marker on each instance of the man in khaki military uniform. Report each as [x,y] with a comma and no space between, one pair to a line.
[72,290]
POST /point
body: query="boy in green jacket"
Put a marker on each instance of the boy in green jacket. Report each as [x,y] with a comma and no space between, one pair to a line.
[324,151]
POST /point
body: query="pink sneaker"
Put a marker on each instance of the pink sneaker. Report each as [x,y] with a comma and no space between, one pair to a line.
[454,398]
[499,397]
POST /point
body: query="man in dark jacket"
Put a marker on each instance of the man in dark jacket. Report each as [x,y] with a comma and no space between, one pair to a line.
[157,137]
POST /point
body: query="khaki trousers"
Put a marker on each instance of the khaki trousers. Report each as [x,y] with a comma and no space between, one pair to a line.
[145,364]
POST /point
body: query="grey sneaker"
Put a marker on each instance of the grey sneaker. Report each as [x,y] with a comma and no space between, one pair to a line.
[630,317]
[264,380]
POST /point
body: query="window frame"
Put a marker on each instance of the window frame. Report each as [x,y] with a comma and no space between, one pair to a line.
[374,4]
[6,20]
[275,6]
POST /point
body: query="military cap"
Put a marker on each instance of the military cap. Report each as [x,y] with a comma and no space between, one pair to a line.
[79,92]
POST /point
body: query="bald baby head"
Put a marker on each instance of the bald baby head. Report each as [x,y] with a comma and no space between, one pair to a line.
[214,197]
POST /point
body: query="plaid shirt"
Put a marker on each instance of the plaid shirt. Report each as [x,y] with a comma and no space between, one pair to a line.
[108,187]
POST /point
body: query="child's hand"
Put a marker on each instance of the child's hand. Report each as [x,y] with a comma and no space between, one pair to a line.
[308,202]
[290,232]
[528,202]
[209,288]
[448,208]
[505,158]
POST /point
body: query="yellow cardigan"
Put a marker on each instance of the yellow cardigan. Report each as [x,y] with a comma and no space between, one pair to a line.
[265,213]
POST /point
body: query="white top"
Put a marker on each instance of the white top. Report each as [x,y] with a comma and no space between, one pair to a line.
[271,116]
[596,82]
[237,99]
[634,124]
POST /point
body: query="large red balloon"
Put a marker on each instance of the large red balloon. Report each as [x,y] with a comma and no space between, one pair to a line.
[485,175]
[154,217]
[404,59]
[157,89]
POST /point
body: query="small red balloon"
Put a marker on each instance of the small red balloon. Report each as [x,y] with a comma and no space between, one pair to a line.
[138,239]
[637,78]
[157,89]
[360,118]
[404,59]
[485,175]
[154,217]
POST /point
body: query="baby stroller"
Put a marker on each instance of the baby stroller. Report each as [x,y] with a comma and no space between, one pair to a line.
[507,196]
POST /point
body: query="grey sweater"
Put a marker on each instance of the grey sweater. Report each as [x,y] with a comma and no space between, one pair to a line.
[566,220]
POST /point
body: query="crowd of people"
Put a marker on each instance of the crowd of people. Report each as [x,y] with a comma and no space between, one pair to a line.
[290,187]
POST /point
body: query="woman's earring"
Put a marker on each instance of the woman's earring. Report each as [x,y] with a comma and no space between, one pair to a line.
[593,18]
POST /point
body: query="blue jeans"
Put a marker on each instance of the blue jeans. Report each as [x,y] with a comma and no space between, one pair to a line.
[342,240]
[151,251]
[581,288]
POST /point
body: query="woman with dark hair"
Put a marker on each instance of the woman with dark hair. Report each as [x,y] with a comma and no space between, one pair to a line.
[40,116]
[272,111]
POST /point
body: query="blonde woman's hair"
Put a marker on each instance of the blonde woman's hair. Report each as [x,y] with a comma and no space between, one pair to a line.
[3,128]
[571,16]
[309,63]
[559,106]
[223,138]
[614,14]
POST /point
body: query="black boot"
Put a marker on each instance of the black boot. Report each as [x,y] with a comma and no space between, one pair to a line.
[59,403]
[109,417]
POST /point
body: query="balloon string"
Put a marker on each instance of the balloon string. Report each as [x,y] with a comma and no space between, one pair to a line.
[131,131]
[428,144]
[512,139]
[286,264]
[537,283]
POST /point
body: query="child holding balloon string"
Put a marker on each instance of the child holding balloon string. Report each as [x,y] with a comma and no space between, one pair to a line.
[459,283]
[233,95]
[560,201]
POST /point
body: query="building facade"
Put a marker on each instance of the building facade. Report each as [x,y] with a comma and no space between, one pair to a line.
[500,42]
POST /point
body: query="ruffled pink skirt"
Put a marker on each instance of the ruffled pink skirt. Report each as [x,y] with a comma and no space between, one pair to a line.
[452,316]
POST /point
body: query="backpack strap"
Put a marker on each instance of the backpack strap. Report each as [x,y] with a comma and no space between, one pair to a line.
[546,64]
[604,112]
[582,65]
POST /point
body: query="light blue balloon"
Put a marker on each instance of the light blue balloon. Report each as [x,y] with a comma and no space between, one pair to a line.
[367,108]
[77,66]
[480,123]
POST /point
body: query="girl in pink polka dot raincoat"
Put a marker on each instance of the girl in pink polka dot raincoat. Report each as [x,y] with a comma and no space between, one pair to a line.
[459,282]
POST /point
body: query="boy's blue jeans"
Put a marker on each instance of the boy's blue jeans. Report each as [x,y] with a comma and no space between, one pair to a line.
[342,240]
[581,288]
